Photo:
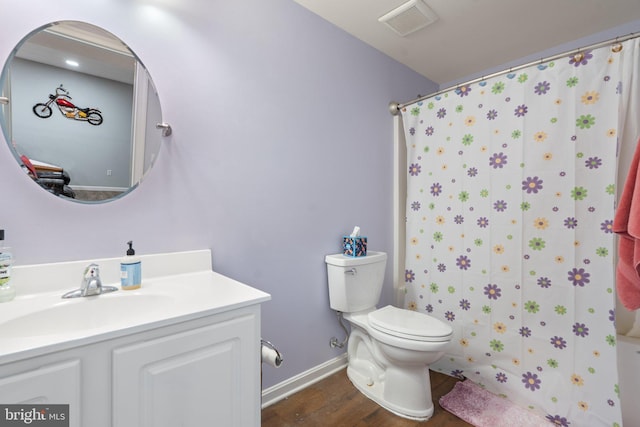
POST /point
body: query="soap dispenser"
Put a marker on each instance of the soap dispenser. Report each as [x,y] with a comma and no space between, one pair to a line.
[7,291]
[130,270]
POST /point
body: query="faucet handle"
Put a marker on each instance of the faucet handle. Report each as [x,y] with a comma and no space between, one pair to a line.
[92,270]
[91,283]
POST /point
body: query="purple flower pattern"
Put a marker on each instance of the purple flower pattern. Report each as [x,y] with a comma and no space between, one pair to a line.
[542,88]
[498,160]
[535,221]
[532,184]
[580,330]
[409,276]
[581,58]
[463,262]
[492,291]
[558,421]
[436,189]
[500,206]
[579,277]
[593,163]
[571,222]
[559,342]
[463,90]
[544,282]
[531,381]
[521,110]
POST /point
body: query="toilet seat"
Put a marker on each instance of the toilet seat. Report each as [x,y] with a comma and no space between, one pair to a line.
[409,324]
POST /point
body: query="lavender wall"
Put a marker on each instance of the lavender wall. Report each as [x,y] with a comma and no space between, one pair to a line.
[282,142]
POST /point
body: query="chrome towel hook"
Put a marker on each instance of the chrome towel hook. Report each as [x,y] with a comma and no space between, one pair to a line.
[166,128]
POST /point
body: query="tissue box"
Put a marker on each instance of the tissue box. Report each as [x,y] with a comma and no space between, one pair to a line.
[354,246]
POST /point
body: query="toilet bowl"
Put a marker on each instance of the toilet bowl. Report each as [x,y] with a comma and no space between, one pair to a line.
[389,349]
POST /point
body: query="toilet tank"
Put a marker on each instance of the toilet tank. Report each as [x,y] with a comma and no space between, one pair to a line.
[355,283]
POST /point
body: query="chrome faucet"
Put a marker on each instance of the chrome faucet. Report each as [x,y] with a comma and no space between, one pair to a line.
[91,284]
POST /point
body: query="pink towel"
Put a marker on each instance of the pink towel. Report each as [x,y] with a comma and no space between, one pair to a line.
[627,224]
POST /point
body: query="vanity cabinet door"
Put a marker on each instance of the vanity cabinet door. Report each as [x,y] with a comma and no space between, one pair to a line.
[57,383]
[207,376]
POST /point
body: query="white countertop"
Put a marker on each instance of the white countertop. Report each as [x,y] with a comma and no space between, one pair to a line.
[39,321]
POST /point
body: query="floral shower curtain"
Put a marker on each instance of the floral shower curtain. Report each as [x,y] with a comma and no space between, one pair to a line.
[510,202]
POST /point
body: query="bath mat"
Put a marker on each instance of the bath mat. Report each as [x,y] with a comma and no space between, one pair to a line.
[481,408]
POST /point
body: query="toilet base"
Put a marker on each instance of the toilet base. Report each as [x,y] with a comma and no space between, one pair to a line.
[374,390]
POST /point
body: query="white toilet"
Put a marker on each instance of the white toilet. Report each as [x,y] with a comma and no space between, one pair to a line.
[389,349]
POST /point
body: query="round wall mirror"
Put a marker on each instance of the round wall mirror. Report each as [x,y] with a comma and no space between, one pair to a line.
[80,112]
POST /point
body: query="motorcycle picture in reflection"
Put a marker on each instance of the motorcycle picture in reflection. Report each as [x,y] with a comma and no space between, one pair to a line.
[67,108]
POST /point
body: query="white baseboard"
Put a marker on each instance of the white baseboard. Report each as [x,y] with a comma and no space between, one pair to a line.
[303,380]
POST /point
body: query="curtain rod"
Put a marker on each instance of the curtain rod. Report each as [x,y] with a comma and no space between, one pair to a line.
[394,107]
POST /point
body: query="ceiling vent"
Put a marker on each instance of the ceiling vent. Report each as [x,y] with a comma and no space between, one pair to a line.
[409,17]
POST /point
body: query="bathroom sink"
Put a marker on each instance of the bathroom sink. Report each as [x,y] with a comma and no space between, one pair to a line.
[86,314]
[177,287]
[35,323]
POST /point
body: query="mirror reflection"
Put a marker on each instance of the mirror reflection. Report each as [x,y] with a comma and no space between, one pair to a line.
[82,112]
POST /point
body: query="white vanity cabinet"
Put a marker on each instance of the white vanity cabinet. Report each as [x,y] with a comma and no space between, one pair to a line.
[44,382]
[202,372]
[182,351]
[207,376]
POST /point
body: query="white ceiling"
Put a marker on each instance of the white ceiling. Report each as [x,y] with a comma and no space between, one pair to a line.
[471,36]
[97,52]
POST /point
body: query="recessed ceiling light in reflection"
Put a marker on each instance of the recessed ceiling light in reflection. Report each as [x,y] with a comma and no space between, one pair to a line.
[72,63]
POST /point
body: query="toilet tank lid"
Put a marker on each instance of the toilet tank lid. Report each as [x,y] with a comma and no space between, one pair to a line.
[348,261]
[408,323]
